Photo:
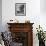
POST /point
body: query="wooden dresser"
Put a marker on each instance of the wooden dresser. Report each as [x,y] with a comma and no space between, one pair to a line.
[22,33]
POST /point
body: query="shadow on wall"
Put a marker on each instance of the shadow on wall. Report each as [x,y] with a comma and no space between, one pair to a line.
[0,15]
[43,6]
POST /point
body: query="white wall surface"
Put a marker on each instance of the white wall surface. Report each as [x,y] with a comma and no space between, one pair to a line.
[43,14]
[43,6]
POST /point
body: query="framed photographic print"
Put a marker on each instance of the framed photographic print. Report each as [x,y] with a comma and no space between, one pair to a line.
[20,9]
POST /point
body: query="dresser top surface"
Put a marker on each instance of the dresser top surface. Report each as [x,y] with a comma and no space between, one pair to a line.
[19,23]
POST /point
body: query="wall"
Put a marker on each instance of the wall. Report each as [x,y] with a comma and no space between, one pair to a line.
[43,14]
[0,15]
[43,6]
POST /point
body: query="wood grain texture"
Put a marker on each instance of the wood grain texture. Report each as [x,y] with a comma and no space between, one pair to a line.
[23,27]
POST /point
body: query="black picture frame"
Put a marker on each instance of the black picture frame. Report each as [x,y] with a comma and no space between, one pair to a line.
[20,9]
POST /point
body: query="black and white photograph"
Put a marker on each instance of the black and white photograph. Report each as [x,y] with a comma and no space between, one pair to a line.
[20,9]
